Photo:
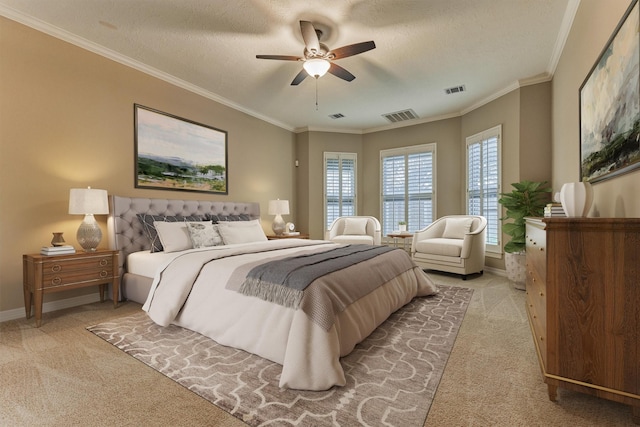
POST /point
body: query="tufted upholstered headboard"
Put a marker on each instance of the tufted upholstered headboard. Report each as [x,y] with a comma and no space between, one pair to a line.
[125,230]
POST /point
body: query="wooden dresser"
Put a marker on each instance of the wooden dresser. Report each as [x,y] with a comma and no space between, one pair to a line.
[583,303]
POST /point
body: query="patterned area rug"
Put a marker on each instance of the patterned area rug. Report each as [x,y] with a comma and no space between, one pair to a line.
[392,376]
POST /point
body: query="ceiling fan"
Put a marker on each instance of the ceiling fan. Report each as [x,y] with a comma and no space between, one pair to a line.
[317,58]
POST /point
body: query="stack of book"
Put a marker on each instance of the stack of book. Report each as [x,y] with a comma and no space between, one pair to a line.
[554,209]
[57,250]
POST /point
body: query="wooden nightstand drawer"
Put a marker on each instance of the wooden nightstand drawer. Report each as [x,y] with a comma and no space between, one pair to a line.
[73,277]
[93,263]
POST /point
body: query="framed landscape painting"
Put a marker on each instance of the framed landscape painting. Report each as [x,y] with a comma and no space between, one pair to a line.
[610,106]
[172,153]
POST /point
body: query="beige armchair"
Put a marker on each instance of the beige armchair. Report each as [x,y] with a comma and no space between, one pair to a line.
[355,229]
[454,243]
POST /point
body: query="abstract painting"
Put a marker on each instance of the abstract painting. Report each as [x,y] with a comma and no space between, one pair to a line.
[610,106]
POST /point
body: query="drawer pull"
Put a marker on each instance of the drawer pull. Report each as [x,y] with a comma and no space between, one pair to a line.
[541,338]
[541,249]
[56,267]
[56,280]
[104,274]
[103,262]
[541,294]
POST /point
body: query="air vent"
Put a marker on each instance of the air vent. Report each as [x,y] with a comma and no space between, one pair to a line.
[336,116]
[455,89]
[400,116]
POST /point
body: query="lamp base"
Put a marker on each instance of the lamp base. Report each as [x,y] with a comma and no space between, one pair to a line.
[89,234]
[278,225]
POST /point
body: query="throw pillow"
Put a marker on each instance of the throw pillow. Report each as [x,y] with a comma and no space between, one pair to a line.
[173,235]
[149,229]
[204,234]
[456,228]
[355,226]
[241,232]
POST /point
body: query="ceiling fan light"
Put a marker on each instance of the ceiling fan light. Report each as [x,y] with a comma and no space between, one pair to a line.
[316,67]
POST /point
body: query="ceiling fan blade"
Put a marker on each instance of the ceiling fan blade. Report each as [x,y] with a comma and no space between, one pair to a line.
[280,57]
[309,36]
[300,77]
[352,49]
[338,71]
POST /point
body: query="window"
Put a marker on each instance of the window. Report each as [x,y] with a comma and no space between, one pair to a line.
[339,185]
[408,187]
[483,182]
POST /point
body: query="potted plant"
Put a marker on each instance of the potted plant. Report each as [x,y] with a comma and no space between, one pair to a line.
[402,226]
[527,199]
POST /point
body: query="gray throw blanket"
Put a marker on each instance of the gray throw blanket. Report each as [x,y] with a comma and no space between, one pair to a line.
[283,281]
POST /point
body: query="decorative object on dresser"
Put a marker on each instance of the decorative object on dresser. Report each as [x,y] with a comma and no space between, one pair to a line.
[57,240]
[278,208]
[46,274]
[527,199]
[88,202]
[582,302]
[57,250]
[576,198]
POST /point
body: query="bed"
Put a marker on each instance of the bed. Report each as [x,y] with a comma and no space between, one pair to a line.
[206,289]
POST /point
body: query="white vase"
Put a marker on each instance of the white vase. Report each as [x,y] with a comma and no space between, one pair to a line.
[576,198]
[402,227]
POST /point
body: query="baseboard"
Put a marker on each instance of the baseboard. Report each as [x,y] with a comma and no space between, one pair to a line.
[18,313]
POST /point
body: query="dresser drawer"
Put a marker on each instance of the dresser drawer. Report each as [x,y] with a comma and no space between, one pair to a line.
[536,308]
[536,251]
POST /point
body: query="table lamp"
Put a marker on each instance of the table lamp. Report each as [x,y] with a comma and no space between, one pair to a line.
[278,208]
[88,202]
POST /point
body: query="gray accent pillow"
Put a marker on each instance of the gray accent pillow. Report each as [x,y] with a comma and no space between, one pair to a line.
[219,218]
[151,232]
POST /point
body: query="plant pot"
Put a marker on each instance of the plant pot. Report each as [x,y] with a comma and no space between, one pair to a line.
[515,264]
[402,228]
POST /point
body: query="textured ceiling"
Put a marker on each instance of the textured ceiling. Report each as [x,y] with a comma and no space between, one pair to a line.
[422,48]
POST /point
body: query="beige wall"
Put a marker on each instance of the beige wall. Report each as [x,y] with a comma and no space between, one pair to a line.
[449,162]
[67,121]
[593,25]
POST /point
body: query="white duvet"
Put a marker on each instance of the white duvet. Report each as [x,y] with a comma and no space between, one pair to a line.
[309,355]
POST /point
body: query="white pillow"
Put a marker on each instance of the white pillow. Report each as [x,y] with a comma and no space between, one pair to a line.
[241,232]
[174,236]
[456,228]
[204,234]
[355,226]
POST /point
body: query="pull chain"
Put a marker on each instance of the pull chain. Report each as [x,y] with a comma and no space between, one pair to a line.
[316,93]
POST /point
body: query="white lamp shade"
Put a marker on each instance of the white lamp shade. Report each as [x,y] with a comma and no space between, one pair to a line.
[84,201]
[316,67]
[278,207]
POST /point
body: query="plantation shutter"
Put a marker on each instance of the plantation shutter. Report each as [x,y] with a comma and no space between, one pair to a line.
[483,182]
[407,185]
[340,185]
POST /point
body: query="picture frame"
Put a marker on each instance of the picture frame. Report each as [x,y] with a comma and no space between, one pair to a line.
[173,153]
[610,105]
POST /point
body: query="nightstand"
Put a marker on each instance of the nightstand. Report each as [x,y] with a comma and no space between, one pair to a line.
[288,236]
[43,274]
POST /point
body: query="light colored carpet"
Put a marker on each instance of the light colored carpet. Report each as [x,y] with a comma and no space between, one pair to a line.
[61,375]
[391,376]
